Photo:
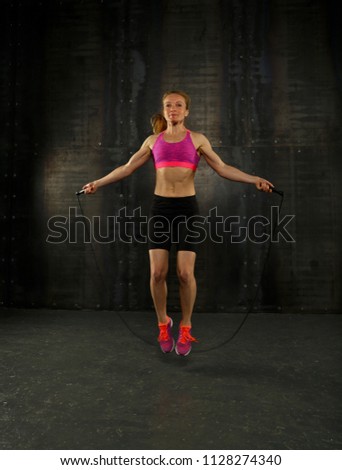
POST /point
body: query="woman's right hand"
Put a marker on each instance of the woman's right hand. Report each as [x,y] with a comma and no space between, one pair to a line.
[90,188]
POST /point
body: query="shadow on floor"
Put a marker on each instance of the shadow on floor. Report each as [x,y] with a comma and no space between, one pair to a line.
[82,380]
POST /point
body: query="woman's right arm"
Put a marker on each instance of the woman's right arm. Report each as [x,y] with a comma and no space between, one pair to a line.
[135,162]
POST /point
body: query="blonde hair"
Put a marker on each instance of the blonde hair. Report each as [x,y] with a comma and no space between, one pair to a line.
[158,122]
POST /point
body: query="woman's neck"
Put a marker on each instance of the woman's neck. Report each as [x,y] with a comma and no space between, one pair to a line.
[175,129]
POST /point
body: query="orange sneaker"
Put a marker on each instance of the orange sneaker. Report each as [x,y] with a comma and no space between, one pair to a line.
[166,341]
[183,345]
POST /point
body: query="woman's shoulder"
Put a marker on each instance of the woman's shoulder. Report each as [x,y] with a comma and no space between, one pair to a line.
[198,138]
[195,134]
[151,140]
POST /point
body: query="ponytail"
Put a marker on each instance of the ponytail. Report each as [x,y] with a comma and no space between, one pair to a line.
[158,123]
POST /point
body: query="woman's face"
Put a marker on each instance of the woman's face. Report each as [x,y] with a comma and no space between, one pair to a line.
[174,108]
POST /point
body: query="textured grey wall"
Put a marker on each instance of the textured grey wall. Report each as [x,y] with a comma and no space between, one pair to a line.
[80,82]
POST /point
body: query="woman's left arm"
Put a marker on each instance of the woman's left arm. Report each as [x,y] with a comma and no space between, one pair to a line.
[227,171]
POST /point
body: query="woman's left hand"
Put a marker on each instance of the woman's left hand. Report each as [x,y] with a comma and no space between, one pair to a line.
[264,185]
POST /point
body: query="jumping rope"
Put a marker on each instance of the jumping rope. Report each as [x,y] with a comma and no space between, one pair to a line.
[252,304]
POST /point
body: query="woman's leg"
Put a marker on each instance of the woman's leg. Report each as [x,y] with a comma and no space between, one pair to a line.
[159,265]
[187,284]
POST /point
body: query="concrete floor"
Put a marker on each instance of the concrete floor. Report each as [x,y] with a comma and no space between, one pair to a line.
[82,380]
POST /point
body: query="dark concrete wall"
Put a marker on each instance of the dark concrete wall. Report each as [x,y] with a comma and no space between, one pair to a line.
[80,82]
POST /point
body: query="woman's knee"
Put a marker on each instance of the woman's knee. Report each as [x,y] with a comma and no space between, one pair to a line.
[158,275]
[159,265]
[185,276]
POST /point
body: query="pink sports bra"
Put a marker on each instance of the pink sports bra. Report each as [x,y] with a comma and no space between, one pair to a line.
[181,153]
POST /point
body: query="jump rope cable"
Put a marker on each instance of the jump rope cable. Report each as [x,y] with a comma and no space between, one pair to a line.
[102,279]
[252,304]
[257,289]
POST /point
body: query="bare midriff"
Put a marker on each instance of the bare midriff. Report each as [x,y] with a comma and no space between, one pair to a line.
[175,182]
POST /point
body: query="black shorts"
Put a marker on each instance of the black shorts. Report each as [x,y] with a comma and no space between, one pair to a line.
[170,223]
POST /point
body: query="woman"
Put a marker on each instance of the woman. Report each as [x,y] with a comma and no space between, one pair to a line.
[176,152]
